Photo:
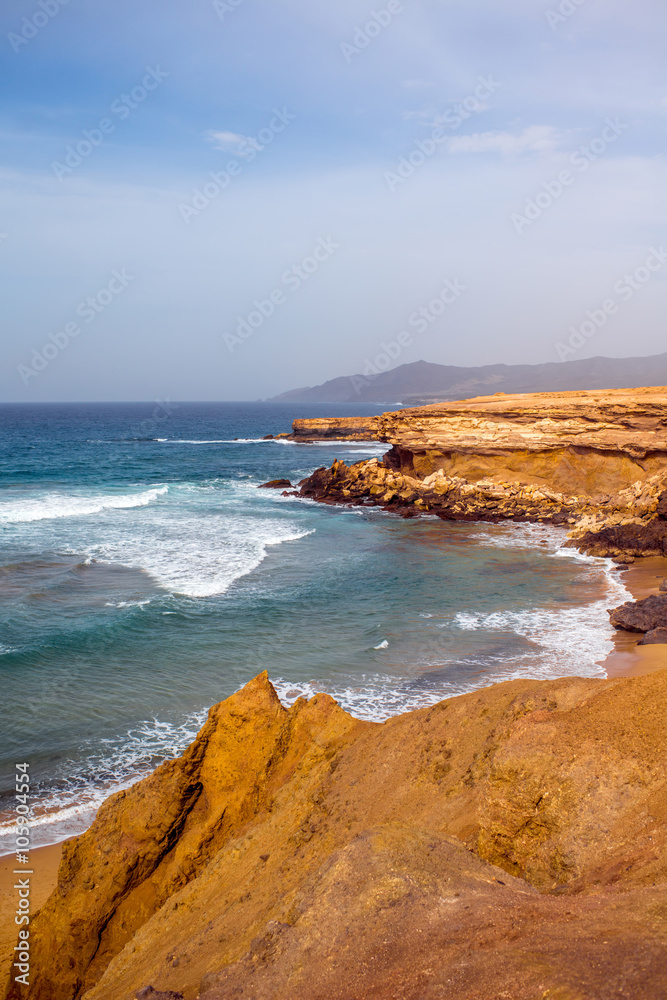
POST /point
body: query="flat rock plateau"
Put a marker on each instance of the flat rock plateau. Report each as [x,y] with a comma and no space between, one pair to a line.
[508,843]
[593,461]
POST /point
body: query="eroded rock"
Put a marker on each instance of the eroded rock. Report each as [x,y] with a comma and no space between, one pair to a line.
[657,636]
[641,616]
[543,804]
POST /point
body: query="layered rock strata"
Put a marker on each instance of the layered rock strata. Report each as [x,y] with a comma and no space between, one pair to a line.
[596,461]
[334,429]
[512,841]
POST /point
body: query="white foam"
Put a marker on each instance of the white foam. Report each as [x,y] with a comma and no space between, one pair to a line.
[198,556]
[372,697]
[127,604]
[69,809]
[58,505]
[382,645]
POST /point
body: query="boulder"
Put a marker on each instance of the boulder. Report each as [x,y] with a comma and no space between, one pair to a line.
[276,484]
[657,636]
[641,616]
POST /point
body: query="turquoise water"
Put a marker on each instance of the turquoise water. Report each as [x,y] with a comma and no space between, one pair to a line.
[144,577]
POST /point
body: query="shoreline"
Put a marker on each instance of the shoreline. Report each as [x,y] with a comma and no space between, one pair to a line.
[628,659]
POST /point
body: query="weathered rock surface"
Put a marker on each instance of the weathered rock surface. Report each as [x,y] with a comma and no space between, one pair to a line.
[596,461]
[335,429]
[512,841]
[150,993]
[641,616]
[276,484]
[656,637]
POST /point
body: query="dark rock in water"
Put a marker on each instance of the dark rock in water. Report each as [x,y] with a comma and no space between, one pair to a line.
[622,566]
[627,540]
[622,560]
[276,484]
[641,616]
[657,636]
[268,437]
[150,993]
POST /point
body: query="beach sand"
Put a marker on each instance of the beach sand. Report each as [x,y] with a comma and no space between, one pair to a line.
[44,863]
[628,659]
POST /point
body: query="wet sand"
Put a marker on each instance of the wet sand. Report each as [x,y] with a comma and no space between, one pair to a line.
[44,863]
[628,659]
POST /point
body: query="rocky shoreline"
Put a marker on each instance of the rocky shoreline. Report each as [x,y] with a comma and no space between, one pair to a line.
[593,462]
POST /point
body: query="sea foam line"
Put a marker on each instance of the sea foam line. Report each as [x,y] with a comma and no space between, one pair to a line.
[60,505]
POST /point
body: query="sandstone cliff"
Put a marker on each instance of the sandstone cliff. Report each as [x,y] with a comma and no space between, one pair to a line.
[334,429]
[593,460]
[509,842]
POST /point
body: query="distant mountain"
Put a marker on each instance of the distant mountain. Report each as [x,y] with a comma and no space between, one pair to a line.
[421,383]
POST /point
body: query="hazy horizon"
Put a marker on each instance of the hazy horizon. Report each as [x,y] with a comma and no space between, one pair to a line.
[229,200]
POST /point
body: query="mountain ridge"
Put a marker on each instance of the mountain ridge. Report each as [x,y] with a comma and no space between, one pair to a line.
[425,382]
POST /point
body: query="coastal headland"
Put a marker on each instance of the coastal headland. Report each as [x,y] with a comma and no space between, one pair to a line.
[593,461]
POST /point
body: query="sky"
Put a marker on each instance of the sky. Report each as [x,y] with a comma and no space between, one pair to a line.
[227,199]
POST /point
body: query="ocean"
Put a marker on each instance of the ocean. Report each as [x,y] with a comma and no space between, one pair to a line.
[144,577]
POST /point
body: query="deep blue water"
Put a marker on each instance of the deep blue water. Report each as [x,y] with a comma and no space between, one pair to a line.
[144,577]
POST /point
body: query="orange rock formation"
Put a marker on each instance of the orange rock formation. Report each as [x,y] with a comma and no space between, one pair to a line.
[509,842]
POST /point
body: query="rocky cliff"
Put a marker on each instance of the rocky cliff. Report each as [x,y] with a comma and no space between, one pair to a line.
[593,460]
[334,429]
[510,842]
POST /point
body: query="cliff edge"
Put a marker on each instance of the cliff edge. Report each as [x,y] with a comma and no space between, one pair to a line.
[594,461]
[512,841]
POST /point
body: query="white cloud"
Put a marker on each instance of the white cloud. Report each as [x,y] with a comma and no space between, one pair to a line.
[535,139]
[225,140]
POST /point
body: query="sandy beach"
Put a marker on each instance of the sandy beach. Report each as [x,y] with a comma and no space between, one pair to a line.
[44,863]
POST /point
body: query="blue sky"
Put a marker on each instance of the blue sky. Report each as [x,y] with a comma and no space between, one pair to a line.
[344,94]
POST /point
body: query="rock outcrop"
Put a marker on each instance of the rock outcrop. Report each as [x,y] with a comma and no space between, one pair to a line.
[334,429]
[656,637]
[596,461]
[512,841]
[641,616]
